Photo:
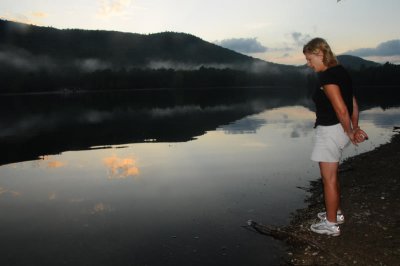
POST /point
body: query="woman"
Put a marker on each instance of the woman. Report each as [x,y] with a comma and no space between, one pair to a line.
[336,125]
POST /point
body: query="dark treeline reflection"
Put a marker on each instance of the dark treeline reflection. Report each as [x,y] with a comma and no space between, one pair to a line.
[36,125]
[69,78]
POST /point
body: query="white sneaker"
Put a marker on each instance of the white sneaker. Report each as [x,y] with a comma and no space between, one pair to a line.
[339,217]
[326,227]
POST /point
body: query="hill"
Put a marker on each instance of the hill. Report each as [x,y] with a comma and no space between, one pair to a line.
[37,59]
[356,63]
[93,50]
[34,59]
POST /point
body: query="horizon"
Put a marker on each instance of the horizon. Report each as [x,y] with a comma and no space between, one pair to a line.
[263,30]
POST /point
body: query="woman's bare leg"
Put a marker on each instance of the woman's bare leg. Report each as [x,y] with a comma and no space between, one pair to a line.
[329,172]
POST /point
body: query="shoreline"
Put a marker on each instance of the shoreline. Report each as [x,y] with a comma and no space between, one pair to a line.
[370,198]
[149,89]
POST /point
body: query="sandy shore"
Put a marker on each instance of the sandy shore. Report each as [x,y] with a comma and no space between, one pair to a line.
[370,186]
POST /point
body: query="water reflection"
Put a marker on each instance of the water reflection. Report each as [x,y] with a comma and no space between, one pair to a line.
[121,168]
[47,124]
[244,126]
[100,208]
[36,126]
[13,193]
[178,202]
[298,120]
[389,118]
[52,196]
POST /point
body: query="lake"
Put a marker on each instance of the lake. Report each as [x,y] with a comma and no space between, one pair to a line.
[158,177]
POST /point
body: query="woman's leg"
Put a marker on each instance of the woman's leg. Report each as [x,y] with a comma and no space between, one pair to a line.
[329,173]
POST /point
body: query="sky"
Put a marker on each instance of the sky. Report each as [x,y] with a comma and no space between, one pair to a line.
[272,30]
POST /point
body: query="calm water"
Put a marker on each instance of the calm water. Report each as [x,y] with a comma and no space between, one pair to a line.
[139,179]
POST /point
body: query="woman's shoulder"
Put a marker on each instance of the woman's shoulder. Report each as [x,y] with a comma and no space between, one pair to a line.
[334,75]
[337,70]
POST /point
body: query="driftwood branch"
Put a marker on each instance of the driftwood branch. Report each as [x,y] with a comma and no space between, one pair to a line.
[289,236]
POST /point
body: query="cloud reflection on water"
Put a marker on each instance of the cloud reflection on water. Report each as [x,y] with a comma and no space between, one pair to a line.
[388,118]
[14,193]
[299,119]
[121,168]
[100,208]
[245,174]
[55,164]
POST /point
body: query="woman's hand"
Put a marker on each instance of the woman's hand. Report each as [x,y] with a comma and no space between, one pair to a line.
[359,135]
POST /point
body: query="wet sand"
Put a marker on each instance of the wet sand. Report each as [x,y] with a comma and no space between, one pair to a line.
[370,187]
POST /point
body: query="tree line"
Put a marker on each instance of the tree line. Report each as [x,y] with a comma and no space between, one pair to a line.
[12,81]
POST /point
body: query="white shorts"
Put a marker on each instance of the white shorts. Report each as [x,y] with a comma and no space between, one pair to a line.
[329,143]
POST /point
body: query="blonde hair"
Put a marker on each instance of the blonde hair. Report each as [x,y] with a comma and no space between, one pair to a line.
[317,45]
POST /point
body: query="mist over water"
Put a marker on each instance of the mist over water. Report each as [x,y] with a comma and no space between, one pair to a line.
[157,178]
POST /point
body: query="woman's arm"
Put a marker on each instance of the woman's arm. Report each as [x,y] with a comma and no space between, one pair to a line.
[334,95]
[354,116]
[359,134]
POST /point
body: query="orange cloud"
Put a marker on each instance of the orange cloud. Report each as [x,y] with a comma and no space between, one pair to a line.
[32,18]
[39,14]
[17,18]
[52,163]
[11,192]
[15,193]
[100,208]
[55,164]
[112,7]
[2,190]
[121,168]
[52,196]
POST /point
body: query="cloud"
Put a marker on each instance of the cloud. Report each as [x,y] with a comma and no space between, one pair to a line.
[243,45]
[299,38]
[110,8]
[388,48]
[92,64]
[33,17]
[290,48]
[18,18]
[285,55]
[39,14]
[24,60]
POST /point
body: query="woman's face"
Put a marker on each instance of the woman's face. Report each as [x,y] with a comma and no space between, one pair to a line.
[314,61]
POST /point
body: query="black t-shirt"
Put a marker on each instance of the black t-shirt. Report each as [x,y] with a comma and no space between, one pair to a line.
[326,115]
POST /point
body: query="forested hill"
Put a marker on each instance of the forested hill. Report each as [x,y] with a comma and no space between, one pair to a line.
[34,58]
[356,63]
[116,49]
[37,59]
